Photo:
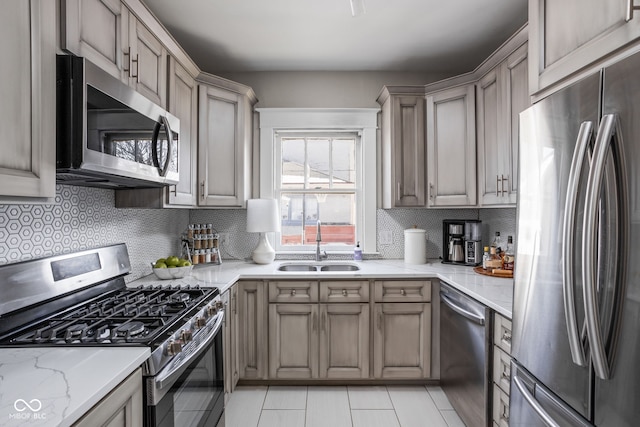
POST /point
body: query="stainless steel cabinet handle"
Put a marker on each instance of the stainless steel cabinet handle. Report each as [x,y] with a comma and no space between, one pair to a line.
[128,69]
[202,190]
[497,186]
[431,196]
[135,61]
[568,225]
[502,180]
[398,193]
[535,405]
[609,127]
[630,8]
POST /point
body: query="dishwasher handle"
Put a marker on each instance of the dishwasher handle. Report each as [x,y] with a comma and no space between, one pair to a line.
[461,311]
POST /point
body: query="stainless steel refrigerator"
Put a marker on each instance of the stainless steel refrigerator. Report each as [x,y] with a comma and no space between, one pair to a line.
[576,313]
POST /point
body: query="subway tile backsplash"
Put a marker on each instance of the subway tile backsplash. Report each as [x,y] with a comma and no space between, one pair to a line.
[83,218]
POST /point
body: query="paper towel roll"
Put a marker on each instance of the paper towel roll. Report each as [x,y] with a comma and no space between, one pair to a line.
[415,246]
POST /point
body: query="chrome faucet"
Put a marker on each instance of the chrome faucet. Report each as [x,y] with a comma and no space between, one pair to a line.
[319,255]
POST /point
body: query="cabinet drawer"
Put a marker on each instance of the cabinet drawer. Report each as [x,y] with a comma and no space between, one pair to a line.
[501,369]
[347,291]
[502,333]
[500,407]
[297,292]
[403,291]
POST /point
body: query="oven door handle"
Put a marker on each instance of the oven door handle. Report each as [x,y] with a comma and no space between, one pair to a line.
[167,376]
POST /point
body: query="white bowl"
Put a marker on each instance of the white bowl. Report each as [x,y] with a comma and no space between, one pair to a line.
[172,272]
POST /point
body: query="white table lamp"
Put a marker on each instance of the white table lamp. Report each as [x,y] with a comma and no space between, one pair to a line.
[263,217]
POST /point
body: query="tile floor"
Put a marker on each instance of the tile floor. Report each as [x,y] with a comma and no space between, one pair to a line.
[348,406]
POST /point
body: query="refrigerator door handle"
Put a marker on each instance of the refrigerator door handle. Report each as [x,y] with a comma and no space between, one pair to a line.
[568,225]
[609,127]
[535,405]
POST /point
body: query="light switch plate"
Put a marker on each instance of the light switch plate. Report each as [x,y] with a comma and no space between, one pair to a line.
[385,237]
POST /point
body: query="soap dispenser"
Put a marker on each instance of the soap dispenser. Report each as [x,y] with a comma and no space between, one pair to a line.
[357,253]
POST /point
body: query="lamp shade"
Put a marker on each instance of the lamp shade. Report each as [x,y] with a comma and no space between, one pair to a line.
[262,215]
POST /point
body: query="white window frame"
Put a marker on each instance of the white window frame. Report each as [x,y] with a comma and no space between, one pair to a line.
[360,120]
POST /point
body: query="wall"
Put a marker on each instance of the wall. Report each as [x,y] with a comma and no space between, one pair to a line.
[325,89]
[83,218]
[241,243]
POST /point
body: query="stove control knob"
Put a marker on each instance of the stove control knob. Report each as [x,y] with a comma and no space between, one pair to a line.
[186,335]
[200,322]
[173,347]
[212,310]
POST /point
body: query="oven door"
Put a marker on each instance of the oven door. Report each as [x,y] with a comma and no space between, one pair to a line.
[193,394]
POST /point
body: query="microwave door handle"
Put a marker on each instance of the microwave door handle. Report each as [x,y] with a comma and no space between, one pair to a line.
[167,162]
[609,128]
[568,227]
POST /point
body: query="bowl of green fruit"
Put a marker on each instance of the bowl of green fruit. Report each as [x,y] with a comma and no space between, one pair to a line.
[171,267]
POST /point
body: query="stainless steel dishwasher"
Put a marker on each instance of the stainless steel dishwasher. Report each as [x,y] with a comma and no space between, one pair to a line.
[465,342]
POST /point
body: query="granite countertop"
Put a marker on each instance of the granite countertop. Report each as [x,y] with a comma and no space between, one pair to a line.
[494,292]
[53,386]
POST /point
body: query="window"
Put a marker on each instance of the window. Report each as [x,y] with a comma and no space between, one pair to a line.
[316,180]
[313,161]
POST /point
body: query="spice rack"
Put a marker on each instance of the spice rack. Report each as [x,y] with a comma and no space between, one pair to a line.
[202,244]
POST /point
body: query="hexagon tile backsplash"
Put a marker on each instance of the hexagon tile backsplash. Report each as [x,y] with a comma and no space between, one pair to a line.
[83,218]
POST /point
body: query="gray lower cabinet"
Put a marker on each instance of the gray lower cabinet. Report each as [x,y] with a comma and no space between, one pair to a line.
[28,108]
[251,330]
[122,407]
[308,339]
[402,329]
[501,370]
[402,341]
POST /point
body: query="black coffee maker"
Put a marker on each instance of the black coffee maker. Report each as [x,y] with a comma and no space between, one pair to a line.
[453,241]
[457,235]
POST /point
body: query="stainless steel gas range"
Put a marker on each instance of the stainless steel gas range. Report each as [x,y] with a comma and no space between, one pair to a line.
[81,299]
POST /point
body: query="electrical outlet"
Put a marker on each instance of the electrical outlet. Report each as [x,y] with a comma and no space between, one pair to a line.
[224,239]
[385,237]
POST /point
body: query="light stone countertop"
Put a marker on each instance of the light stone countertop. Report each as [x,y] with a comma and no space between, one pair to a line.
[494,292]
[59,385]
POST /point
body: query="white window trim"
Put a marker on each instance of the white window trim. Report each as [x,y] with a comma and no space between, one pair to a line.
[362,120]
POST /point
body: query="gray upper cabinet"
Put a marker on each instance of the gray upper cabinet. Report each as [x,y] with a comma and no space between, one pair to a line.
[94,29]
[502,94]
[403,148]
[451,147]
[224,143]
[570,35]
[27,119]
[109,35]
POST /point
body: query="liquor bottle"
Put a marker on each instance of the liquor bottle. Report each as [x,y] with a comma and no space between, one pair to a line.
[497,243]
[485,258]
[509,255]
[494,261]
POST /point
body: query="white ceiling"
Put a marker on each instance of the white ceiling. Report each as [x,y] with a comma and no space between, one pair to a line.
[445,36]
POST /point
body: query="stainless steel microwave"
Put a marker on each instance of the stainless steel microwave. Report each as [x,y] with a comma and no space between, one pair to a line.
[108,135]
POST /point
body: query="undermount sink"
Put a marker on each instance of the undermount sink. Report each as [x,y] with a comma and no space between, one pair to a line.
[297,267]
[339,267]
[318,267]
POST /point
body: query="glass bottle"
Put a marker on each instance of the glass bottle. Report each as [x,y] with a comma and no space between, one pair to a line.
[494,260]
[485,258]
[497,243]
[509,255]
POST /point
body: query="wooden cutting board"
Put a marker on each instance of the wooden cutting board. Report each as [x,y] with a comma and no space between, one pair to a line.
[498,273]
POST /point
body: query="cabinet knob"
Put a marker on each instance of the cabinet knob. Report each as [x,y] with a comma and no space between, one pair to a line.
[506,336]
[402,292]
[293,292]
[344,292]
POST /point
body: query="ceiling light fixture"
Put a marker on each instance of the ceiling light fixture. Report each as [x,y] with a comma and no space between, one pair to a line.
[357,8]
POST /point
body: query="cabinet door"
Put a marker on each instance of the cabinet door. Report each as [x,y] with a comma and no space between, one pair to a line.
[490,144]
[122,407]
[408,151]
[27,119]
[221,149]
[567,36]
[148,57]
[516,77]
[293,341]
[344,341]
[252,330]
[451,147]
[183,103]
[402,340]
[94,29]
